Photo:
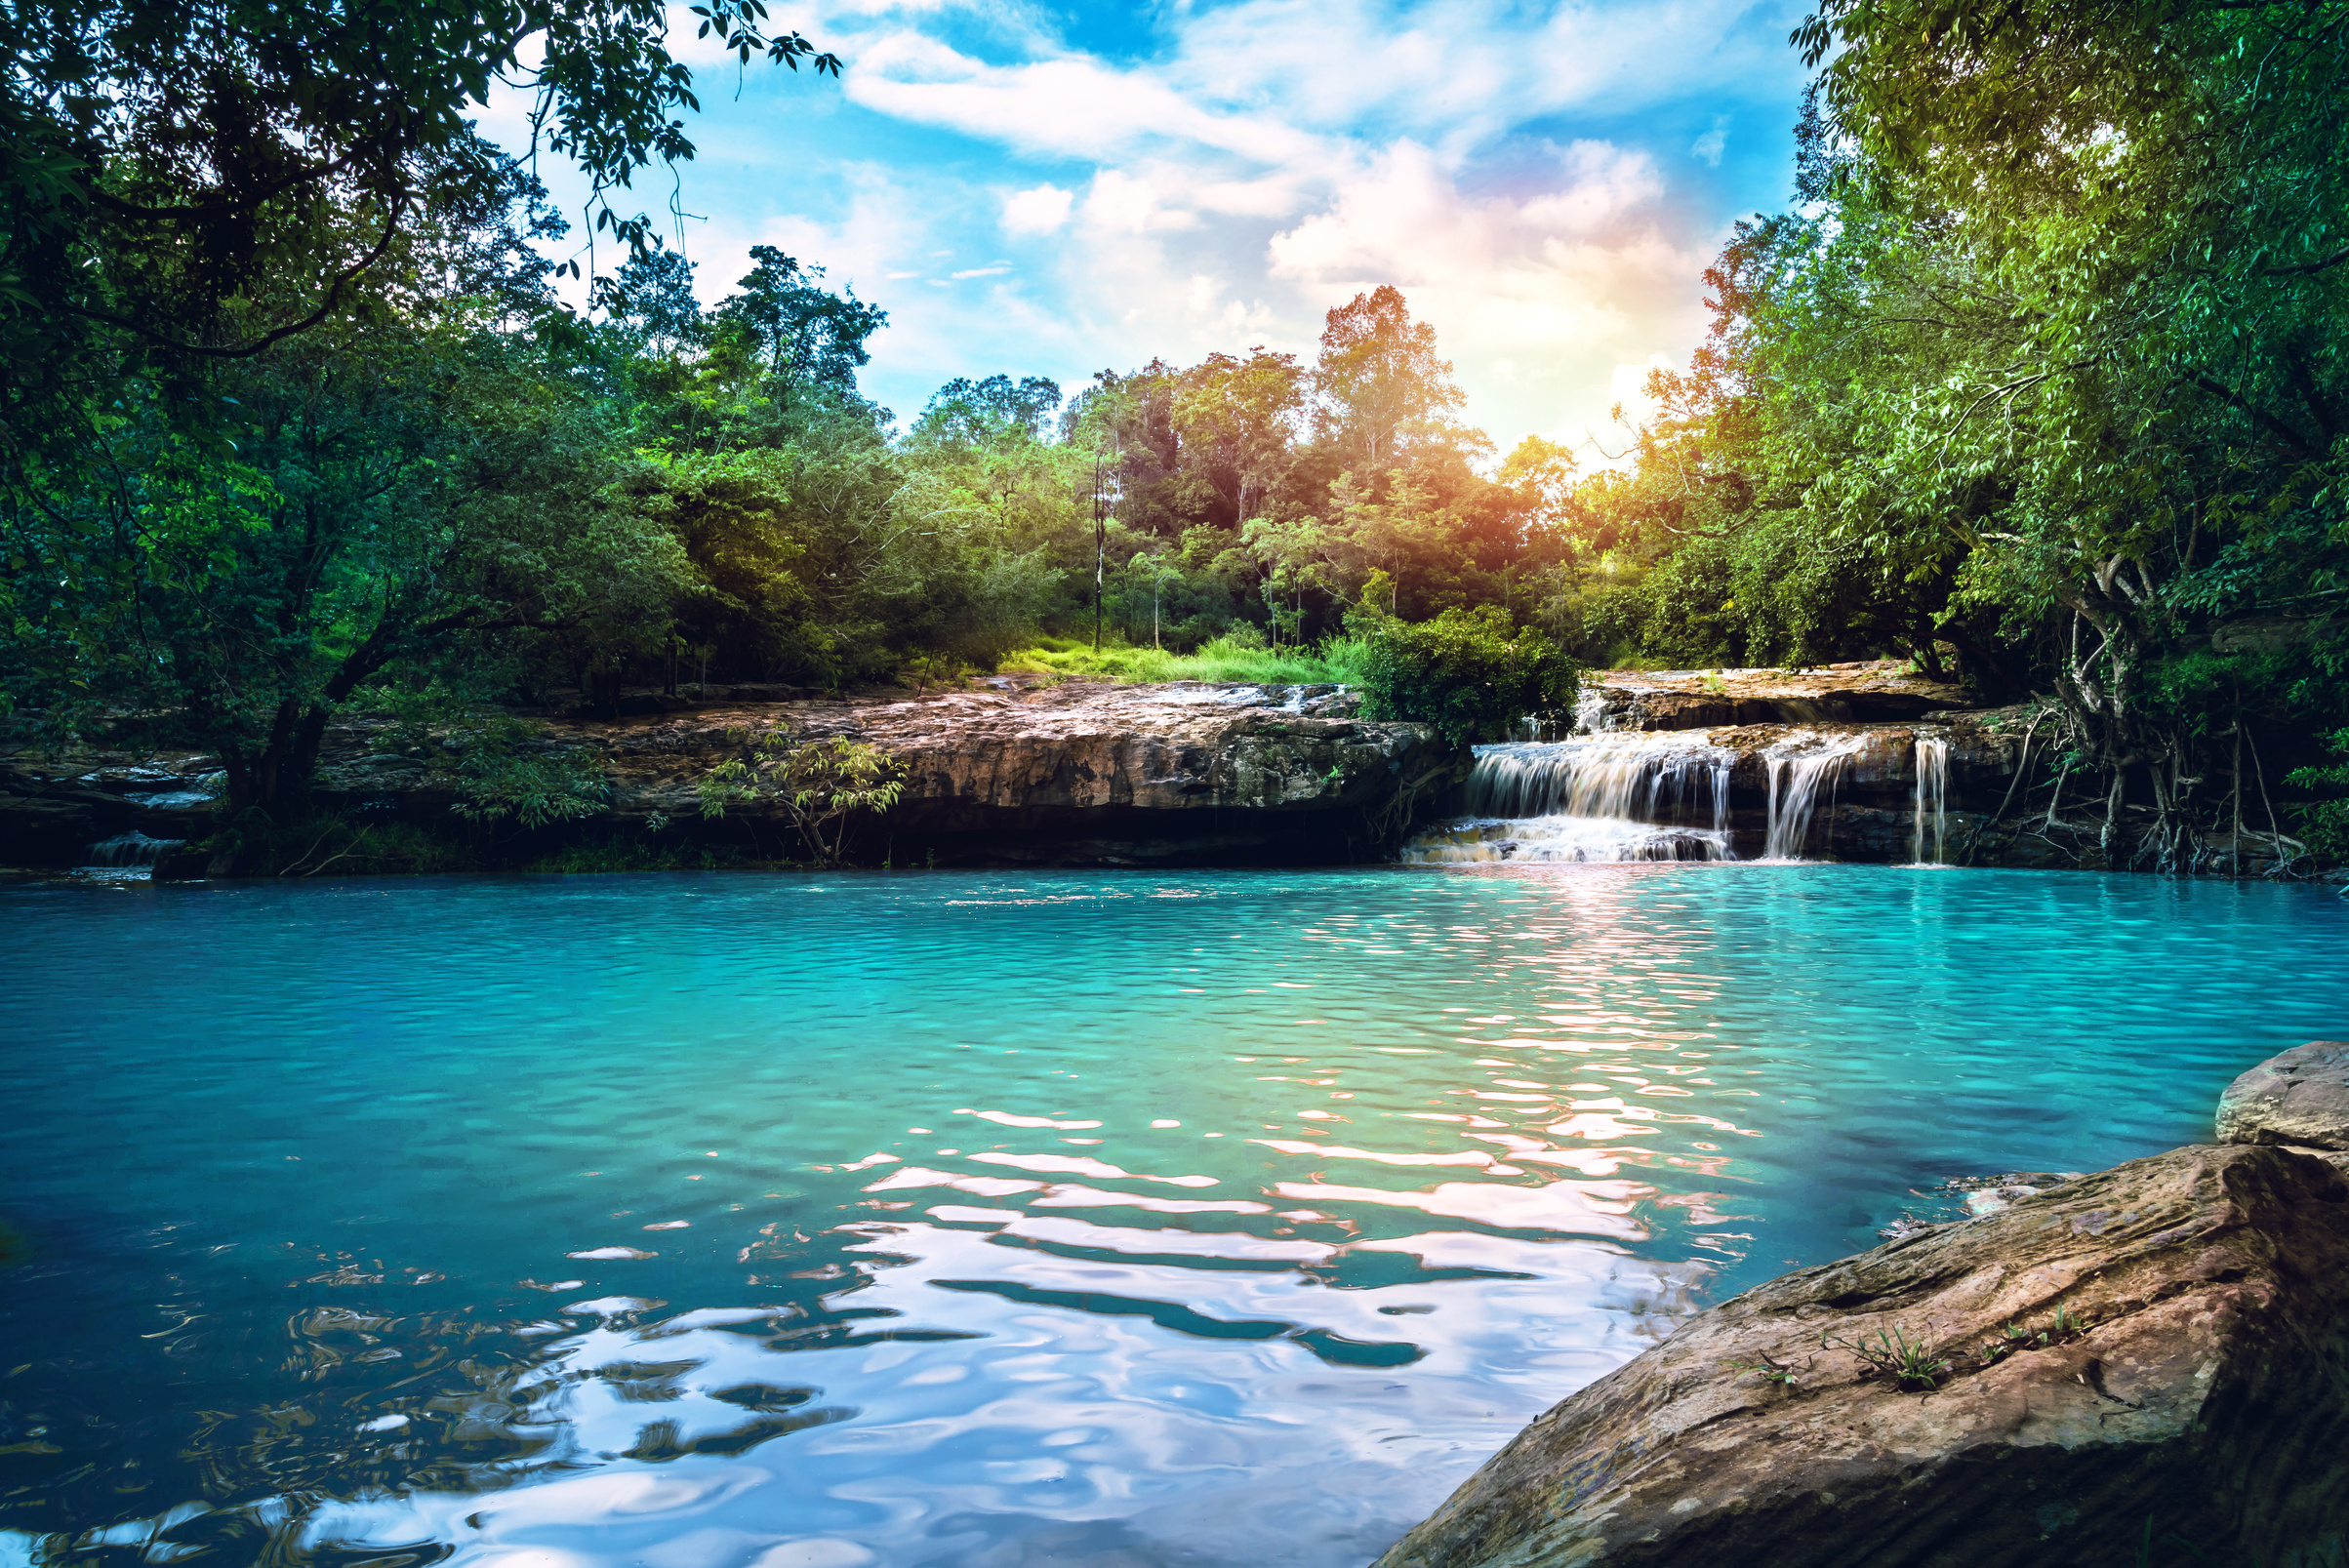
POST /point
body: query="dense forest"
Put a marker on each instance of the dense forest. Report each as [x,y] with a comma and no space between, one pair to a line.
[2039,382]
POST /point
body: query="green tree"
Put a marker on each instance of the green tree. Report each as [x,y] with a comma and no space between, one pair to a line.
[393,495]
[1380,383]
[187,183]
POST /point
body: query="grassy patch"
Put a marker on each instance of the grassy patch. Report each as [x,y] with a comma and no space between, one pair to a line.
[1222,659]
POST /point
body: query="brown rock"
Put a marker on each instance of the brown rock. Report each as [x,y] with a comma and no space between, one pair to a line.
[1097,774]
[2208,1394]
[2300,1097]
[1700,700]
[1084,773]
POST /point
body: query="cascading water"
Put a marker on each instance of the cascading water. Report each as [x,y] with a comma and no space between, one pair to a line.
[1932,795]
[1625,796]
[132,851]
[1795,781]
[1590,710]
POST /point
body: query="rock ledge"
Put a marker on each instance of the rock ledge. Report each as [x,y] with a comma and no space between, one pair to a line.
[2207,1389]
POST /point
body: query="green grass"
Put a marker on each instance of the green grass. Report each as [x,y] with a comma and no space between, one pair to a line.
[1222,659]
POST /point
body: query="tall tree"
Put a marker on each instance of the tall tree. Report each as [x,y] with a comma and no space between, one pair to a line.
[1380,381]
[811,337]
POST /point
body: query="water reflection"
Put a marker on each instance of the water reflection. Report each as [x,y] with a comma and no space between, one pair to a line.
[989,1221]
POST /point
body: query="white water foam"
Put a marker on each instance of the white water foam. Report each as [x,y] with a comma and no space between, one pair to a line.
[1623,796]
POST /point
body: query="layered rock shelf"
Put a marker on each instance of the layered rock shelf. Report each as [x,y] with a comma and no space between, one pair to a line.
[1701,700]
[1067,774]
[1077,773]
[1087,774]
[2153,1352]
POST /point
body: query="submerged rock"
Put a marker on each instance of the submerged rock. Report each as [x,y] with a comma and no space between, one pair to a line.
[2300,1097]
[2160,1342]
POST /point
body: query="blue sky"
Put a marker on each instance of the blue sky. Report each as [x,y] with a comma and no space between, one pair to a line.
[1059,189]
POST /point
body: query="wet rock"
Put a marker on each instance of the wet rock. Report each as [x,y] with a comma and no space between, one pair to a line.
[2300,1097]
[2174,1357]
[1970,1198]
[1988,1194]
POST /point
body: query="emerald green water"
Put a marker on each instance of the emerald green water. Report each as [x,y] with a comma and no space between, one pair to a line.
[1065,1217]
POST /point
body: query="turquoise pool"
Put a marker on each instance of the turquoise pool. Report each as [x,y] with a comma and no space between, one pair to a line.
[790,1221]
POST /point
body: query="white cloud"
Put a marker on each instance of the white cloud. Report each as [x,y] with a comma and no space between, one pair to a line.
[1535,298]
[1070,106]
[1523,173]
[1039,211]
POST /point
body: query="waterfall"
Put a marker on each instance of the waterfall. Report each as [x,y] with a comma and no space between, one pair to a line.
[1590,710]
[1795,780]
[1932,793]
[132,849]
[1608,797]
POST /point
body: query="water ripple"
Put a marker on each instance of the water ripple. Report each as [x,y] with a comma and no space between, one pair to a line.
[869,1221]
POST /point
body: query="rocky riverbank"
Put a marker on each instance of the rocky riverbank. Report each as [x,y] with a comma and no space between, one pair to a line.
[1863,762]
[2153,1353]
[1026,773]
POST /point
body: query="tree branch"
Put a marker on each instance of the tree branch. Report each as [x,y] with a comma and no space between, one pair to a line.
[2305,268]
[225,203]
[333,294]
[2259,416]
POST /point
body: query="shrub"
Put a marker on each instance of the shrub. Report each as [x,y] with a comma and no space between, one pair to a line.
[1468,672]
[2324,823]
[499,767]
[820,785]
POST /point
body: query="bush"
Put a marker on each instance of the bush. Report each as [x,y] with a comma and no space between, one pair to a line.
[499,768]
[1468,672]
[820,785]
[2324,823]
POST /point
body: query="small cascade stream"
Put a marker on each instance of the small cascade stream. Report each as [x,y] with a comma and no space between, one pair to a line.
[1796,780]
[133,853]
[1933,798]
[1658,795]
[1624,796]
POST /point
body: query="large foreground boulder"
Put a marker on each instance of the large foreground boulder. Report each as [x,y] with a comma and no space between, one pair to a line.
[2179,1356]
[2300,1097]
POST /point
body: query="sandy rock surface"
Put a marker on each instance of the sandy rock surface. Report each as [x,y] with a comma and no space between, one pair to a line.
[1699,700]
[2300,1097]
[2208,1392]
